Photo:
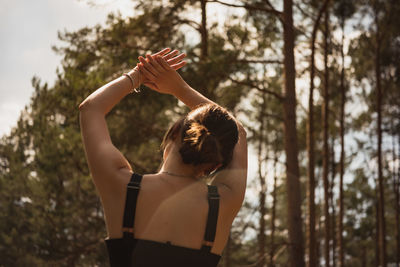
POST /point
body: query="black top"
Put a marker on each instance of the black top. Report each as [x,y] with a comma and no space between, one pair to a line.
[132,252]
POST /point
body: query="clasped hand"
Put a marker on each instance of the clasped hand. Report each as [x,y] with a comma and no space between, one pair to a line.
[158,71]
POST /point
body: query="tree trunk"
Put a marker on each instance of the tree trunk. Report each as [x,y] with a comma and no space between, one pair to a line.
[203,30]
[325,158]
[342,156]
[319,233]
[261,234]
[273,211]
[382,223]
[398,207]
[396,194]
[262,208]
[364,256]
[311,161]
[377,256]
[332,203]
[295,223]
[311,239]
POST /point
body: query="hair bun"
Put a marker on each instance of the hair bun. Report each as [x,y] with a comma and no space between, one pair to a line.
[199,145]
[208,134]
[196,135]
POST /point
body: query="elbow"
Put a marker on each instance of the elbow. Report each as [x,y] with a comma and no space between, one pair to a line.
[85,105]
[90,105]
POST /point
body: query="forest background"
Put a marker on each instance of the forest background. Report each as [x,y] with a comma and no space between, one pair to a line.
[316,83]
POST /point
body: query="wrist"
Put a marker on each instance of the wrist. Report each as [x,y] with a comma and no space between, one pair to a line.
[190,97]
[181,91]
[135,75]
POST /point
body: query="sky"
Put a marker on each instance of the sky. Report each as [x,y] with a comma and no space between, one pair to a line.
[28,30]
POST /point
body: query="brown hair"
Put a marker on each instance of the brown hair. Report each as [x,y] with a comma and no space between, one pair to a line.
[207,134]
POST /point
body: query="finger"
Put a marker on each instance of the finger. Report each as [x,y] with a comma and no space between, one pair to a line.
[162,52]
[155,64]
[163,63]
[142,78]
[176,59]
[146,73]
[170,55]
[148,66]
[179,65]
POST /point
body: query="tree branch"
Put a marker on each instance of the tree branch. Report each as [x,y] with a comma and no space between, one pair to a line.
[191,23]
[251,85]
[263,61]
[271,9]
[270,5]
[305,13]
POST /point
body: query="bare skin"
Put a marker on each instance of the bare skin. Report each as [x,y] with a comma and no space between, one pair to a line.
[169,208]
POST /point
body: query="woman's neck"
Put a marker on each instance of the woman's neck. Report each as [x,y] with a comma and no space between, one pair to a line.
[174,165]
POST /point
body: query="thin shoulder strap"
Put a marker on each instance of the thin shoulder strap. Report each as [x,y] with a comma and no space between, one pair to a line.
[132,192]
[212,218]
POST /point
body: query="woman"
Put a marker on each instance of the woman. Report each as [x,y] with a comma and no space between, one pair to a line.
[170,218]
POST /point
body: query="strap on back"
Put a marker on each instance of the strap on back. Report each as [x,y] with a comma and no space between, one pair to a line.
[212,218]
[132,193]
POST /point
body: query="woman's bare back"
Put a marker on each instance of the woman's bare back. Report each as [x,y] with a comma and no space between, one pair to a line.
[170,209]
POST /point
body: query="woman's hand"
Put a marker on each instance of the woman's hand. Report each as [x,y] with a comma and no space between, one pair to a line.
[161,74]
[173,58]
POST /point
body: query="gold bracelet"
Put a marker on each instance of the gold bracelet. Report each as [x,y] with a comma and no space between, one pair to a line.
[137,89]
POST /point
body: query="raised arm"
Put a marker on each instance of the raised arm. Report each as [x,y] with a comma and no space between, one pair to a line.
[168,81]
[234,177]
[105,161]
[232,180]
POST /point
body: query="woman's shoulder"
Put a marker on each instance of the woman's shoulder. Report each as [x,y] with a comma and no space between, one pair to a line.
[122,179]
